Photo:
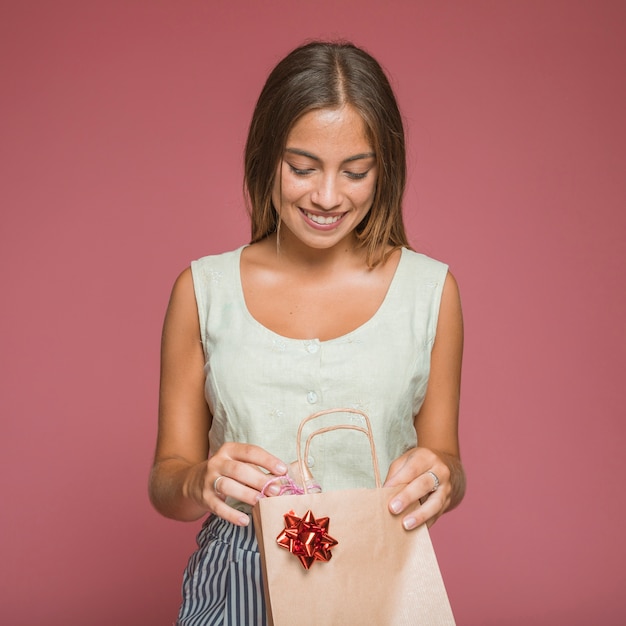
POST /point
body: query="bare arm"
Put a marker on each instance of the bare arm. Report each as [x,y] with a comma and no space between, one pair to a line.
[182,477]
[436,426]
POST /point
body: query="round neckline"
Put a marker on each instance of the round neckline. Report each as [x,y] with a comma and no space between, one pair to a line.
[359,328]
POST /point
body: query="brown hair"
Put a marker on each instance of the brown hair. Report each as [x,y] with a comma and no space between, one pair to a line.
[321,75]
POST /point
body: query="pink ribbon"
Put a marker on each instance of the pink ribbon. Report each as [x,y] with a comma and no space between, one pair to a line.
[289,486]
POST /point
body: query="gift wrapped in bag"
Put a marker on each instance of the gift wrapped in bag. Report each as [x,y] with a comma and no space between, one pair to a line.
[341,558]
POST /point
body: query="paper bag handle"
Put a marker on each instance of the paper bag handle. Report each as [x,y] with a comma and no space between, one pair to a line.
[304,470]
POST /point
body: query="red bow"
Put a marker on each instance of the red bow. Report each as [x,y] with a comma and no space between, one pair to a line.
[307,538]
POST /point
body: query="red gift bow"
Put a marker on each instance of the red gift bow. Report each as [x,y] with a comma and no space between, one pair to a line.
[307,538]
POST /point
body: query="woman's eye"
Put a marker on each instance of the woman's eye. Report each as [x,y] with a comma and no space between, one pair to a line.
[298,171]
[357,175]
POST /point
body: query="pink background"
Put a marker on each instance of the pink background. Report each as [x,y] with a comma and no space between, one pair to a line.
[122,127]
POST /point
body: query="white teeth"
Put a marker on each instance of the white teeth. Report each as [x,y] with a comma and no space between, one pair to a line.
[320,219]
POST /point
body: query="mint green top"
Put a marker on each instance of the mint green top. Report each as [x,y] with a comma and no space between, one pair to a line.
[260,385]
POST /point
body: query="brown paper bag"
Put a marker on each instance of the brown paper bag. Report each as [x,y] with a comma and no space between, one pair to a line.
[378,573]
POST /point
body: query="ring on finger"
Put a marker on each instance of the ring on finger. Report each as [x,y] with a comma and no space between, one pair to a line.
[216,483]
[436,481]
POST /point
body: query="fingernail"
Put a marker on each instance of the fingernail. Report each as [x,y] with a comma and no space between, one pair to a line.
[396,506]
[409,523]
[273,490]
[244,520]
[281,468]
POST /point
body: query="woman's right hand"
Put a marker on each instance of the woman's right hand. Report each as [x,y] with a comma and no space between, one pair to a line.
[236,470]
[182,481]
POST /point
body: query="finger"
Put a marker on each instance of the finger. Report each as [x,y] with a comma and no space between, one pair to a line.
[243,479]
[395,471]
[244,465]
[254,455]
[413,492]
[427,513]
[215,495]
[408,466]
[226,512]
[241,491]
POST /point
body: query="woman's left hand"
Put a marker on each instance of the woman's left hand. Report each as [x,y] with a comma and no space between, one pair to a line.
[432,474]
[428,485]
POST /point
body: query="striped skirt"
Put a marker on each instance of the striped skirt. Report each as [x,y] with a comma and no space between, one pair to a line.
[222,585]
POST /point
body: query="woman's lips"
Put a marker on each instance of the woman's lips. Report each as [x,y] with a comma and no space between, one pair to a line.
[322,220]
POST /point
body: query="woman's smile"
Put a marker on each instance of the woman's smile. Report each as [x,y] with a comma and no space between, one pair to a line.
[322,220]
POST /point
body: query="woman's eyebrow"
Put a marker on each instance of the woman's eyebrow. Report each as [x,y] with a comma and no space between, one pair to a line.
[358,157]
[308,155]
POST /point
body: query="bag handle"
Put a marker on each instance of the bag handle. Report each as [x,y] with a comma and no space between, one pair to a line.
[304,470]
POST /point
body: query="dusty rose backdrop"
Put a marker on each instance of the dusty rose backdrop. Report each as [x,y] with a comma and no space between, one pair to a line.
[122,127]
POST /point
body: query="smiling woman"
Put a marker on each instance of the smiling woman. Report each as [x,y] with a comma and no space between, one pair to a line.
[329,76]
[327,179]
[331,308]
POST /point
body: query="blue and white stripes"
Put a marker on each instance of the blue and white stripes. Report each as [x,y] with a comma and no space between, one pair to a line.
[222,585]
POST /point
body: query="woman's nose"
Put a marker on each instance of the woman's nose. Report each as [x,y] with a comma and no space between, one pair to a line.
[326,194]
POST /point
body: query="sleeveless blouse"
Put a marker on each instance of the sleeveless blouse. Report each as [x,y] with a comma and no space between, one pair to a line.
[260,385]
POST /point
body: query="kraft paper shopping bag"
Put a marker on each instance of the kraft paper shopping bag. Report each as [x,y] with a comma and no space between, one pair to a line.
[363,567]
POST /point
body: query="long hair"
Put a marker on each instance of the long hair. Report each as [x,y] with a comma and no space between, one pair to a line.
[321,75]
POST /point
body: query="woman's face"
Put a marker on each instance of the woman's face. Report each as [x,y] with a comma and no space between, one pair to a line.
[326,179]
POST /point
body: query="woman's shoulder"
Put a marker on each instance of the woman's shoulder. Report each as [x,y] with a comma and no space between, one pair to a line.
[219,258]
[214,271]
[422,264]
